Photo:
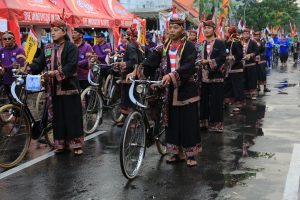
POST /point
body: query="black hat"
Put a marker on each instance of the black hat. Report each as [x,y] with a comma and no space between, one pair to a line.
[100,34]
[79,30]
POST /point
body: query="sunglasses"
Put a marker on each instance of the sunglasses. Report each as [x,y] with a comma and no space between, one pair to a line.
[7,39]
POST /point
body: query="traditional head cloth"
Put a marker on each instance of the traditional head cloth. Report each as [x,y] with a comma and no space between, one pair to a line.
[175,19]
[9,34]
[59,24]
[193,31]
[132,32]
[257,33]
[232,30]
[149,36]
[246,30]
[209,23]
[100,34]
[79,30]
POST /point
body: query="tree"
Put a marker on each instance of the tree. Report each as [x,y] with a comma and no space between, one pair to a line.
[259,14]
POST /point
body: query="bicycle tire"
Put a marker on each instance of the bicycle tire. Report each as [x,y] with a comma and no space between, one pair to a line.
[160,137]
[39,105]
[3,96]
[115,98]
[132,148]
[93,109]
[12,137]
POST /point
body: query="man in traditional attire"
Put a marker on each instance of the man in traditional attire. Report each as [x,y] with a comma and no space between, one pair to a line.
[176,59]
[234,76]
[250,51]
[212,87]
[261,62]
[134,55]
[11,56]
[296,49]
[150,45]
[85,52]
[60,59]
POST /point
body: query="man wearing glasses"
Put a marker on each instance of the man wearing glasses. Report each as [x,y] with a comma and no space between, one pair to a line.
[11,55]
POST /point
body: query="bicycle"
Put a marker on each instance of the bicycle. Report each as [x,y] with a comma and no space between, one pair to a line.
[4,99]
[275,55]
[139,132]
[100,95]
[18,125]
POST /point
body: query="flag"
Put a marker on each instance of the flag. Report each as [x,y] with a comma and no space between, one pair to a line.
[295,29]
[117,37]
[201,36]
[135,21]
[244,26]
[240,26]
[154,37]
[95,42]
[268,29]
[292,30]
[31,46]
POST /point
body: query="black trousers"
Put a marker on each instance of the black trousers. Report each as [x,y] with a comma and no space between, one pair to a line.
[261,73]
[183,129]
[234,87]
[84,84]
[250,76]
[211,103]
[67,117]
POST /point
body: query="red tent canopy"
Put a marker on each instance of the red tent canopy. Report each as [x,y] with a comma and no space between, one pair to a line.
[32,11]
[123,17]
[35,11]
[86,13]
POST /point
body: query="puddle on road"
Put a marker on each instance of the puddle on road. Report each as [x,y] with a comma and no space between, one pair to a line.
[232,180]
[227,154]
[254,154]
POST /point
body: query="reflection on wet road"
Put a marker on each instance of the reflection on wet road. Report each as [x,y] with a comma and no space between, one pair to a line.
[229,166]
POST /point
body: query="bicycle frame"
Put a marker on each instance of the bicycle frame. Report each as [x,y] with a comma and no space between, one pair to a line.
[37,126]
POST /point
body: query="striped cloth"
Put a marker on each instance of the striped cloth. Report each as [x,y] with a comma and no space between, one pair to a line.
[172,54]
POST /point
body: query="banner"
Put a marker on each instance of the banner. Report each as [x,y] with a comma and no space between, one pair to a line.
[31,46]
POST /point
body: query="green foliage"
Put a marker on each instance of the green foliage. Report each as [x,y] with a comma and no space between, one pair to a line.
[259,14]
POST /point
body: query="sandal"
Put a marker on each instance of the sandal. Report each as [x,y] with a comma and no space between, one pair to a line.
[191,162]
[175,159]
[78,151]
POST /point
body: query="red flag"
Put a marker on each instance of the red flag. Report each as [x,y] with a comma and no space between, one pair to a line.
[295,29]
[134,22]
[116,36]
[201,36]
[244,26]
[174,11]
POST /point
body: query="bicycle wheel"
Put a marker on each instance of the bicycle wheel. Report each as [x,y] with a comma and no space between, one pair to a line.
[115,98]
[3,96]
[160,135]
[15,135]
[92,106]
[133,145]
[39,104]
[48,133]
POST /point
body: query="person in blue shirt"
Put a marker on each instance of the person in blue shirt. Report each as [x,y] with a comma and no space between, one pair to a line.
[275,38]
[284,50]
[269,47]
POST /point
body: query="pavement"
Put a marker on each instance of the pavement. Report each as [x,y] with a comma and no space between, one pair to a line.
[250,160]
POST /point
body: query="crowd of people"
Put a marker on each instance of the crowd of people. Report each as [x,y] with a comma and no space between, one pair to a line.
[200,78]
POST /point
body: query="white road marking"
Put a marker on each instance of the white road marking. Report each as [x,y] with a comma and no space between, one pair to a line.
[291,190]
[41,158]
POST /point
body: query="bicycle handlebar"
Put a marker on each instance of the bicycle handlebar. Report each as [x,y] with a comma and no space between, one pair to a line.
[131,89]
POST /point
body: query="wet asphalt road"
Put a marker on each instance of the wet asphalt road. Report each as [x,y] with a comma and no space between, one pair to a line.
[249,160]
